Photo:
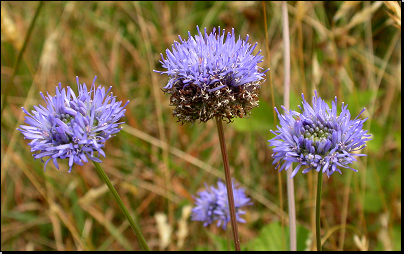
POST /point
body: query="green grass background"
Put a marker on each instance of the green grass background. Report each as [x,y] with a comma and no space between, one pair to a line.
[351,50]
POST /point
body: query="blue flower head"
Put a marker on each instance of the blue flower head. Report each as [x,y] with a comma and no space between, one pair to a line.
[73,127]
[213,205]
[318,138]
[210,75]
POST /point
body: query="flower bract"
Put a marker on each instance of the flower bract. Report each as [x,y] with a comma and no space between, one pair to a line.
[212,75]
[73,127]
[213,205]
[318,138]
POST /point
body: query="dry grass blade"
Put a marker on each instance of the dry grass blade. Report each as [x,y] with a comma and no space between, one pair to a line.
[129,179]
[5,162]
[183,231]
[9,29]
[56,230]
[158,103]
[37,239]
[348,49]
[345,7]
[69,224]
[5,92]
[165,230]
[361,243]
[395,8]
[363,15]
[100,217]
[86,203]
[93,194]
[317,71]
[16,228]
[323,31]
[47,60]
[208,168]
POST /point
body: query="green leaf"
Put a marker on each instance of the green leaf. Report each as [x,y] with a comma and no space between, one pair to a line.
[302,234]
[373,201]
[221,243]
[378,137]
[261,119]
[21,216]
[271,238]
[397,237]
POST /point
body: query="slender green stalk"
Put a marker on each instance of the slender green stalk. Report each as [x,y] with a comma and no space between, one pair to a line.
[9,86]
[318,201]
[228,184]
[122,206]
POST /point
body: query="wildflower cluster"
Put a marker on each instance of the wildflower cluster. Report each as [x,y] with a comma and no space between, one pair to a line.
[212,204]
[73,126]
[212,76]
[318,138]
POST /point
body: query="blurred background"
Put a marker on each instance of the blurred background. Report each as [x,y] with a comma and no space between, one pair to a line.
[351,50]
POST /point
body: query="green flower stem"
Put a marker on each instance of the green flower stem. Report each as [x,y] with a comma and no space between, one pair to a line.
[9,86]
[123,208]
[229,186]
[318,201]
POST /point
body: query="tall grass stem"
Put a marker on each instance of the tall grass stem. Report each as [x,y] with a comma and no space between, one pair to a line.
[158,103]
[122,206]
[289,180]
[275,120]
[228,183]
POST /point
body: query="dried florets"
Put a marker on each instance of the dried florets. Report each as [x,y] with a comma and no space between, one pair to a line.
[212,76]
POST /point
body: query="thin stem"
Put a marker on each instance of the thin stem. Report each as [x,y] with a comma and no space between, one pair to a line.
[158,104]
[228,183]
[318,201]
[269,63]
[9,87]
[122,206]
[289,180]
[275,121]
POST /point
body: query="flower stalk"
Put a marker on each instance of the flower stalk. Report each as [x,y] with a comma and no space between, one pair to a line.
[122,206]
[214,76]
[76,128]
[318,204]
[228,183]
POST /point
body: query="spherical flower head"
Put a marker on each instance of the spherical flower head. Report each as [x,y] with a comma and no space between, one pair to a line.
[318,138]
[211,75]
[213,205]
[73,127]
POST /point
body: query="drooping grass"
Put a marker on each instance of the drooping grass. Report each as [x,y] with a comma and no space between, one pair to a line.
[345,49]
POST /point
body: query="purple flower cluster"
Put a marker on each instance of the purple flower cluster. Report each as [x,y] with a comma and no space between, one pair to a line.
[208,59]
[73,126]
[318,138]
[212,204]
[212,75]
